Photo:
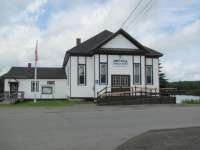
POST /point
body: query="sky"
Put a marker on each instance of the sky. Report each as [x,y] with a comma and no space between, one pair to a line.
[171,27]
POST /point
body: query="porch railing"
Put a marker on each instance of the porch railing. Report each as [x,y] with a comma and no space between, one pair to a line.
[136,91]
[12,97]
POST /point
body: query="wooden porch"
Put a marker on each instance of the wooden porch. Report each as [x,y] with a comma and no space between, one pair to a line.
[135,95]
[11,98]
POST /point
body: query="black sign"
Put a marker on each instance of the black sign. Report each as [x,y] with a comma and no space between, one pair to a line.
[120,62]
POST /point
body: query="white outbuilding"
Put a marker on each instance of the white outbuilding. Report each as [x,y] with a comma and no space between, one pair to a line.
[105,60]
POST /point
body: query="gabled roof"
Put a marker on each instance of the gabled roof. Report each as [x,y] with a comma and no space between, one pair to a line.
[87,46]
[28,73]
[93,45]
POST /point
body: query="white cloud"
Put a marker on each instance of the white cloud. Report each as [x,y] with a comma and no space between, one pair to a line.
[35,6]
[17,38]
[177,70]
[180,48]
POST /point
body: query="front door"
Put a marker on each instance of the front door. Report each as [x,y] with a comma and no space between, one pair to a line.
[120,83]
[13,87]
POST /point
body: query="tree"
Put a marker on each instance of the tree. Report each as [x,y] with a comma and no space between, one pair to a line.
[162,78]
[1,84]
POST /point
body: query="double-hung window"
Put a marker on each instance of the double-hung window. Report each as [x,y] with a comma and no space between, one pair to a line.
[81,74]
[34,86]
[136,68]
[149,74]
[103,73]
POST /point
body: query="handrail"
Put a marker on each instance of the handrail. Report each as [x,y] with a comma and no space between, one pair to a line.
[135,90]
[98,93]
[168,88]
[12,97]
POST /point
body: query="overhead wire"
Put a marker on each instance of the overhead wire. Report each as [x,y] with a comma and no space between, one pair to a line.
[133,11]
[142,13]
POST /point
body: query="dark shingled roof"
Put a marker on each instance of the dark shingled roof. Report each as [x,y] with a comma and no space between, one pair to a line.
[86,47]
[92,45]
[42,73]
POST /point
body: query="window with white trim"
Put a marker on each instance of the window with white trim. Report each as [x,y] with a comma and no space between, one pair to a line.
[81,74]
[103,73]
[136,76]
[149,74]
[33,88]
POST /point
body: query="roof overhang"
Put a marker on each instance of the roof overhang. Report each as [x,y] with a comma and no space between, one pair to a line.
[142,50]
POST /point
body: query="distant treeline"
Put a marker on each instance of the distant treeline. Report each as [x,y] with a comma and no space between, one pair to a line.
[189,87]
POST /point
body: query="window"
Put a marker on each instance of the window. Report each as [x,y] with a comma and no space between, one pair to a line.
[103,73]
[33,86]
[81,74]
[136,77]
[149,74]
[47,90]
[68,73]
[50,82]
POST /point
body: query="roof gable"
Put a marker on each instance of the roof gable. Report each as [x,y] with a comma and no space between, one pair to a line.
[120,41]
[87,46]
[95,44]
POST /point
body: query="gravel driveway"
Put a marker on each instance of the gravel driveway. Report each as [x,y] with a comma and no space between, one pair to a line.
[87,126]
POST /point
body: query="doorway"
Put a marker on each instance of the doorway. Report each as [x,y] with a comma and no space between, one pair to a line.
[14,87]
[120,83]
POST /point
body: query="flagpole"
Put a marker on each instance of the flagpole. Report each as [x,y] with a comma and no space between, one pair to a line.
[35,74]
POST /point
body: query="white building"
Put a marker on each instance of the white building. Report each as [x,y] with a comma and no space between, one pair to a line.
[107,59]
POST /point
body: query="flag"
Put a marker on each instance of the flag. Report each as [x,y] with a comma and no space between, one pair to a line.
[36,52]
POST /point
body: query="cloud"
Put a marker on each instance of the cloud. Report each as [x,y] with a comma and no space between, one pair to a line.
[177,70]
[35,6]
[171,27]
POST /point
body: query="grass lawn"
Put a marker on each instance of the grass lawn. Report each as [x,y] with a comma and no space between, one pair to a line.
[193,102]
[45,103]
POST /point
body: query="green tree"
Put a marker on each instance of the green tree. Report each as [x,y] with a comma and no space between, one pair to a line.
[162,78]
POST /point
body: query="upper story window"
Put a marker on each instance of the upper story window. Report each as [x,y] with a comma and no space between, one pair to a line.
[81,74]
[50,82]
[81,70]
[103,73]
[149,74]
[34,86]
[136,76]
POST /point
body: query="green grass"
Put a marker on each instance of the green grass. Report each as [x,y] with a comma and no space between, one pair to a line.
[45,103]
[191,101]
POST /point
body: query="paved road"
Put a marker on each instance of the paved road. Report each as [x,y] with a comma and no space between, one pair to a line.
[165,139]
[87,127]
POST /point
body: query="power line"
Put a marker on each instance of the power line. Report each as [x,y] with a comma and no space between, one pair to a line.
[147,7]
[138,4]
